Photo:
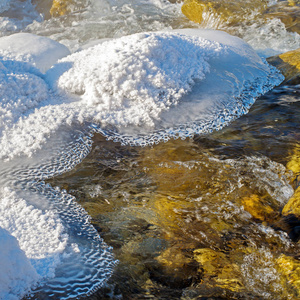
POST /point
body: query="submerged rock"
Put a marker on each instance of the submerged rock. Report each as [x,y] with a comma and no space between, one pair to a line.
[293,205]
[289,268]
[289,65]
[257,208]
[218,270]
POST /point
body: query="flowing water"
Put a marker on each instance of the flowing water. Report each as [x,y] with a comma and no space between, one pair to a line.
[195,217]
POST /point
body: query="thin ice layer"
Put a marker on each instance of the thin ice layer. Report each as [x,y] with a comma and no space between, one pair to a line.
[148,87]
[138,89]
[41,234]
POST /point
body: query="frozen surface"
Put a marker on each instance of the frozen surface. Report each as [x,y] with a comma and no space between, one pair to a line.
[138,89]
[4,5]
[39,51]
[16,272]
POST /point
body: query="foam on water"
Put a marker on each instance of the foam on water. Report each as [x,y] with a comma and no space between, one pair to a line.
[138,89]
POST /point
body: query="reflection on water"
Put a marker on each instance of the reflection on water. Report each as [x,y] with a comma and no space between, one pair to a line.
[198,218]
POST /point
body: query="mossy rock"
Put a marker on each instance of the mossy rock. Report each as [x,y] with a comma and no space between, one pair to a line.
[289,65]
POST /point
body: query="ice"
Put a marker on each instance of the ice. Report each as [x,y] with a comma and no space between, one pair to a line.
[17,274]
[138,89]
[39,51]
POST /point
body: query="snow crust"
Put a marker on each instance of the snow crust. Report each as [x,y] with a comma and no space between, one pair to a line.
[39,51]
[138,89]
[17,274]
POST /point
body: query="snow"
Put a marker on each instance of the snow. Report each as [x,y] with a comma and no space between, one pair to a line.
[39,51]
[139,89]
[17,274]
[40,233]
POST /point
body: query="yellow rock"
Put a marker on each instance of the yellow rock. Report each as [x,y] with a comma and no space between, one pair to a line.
[255,206]
[60,7]
[293,205]
[294,161]
[289,65]
[241,12]
[289,267]
[228,11]
[218,269]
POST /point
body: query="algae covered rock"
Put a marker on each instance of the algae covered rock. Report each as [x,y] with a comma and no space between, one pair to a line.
[289,65]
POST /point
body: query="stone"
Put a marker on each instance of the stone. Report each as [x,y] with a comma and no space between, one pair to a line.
[60,7]
[237,12]
[289,65]
[289,268]
[218,270]
[230,12]
[294,161]
[293,205]
[257,208]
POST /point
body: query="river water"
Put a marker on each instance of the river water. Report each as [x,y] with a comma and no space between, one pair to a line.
[197,217]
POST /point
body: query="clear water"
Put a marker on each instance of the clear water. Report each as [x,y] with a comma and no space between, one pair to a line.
[157,206]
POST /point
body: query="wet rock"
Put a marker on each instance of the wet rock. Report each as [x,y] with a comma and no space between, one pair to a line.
[218,270]
[289,267]
[43,7]
[289,65]
[176,267]
[60,7]
[242,12]
[229,12]
[257,208]
[294,160]
[293,205]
